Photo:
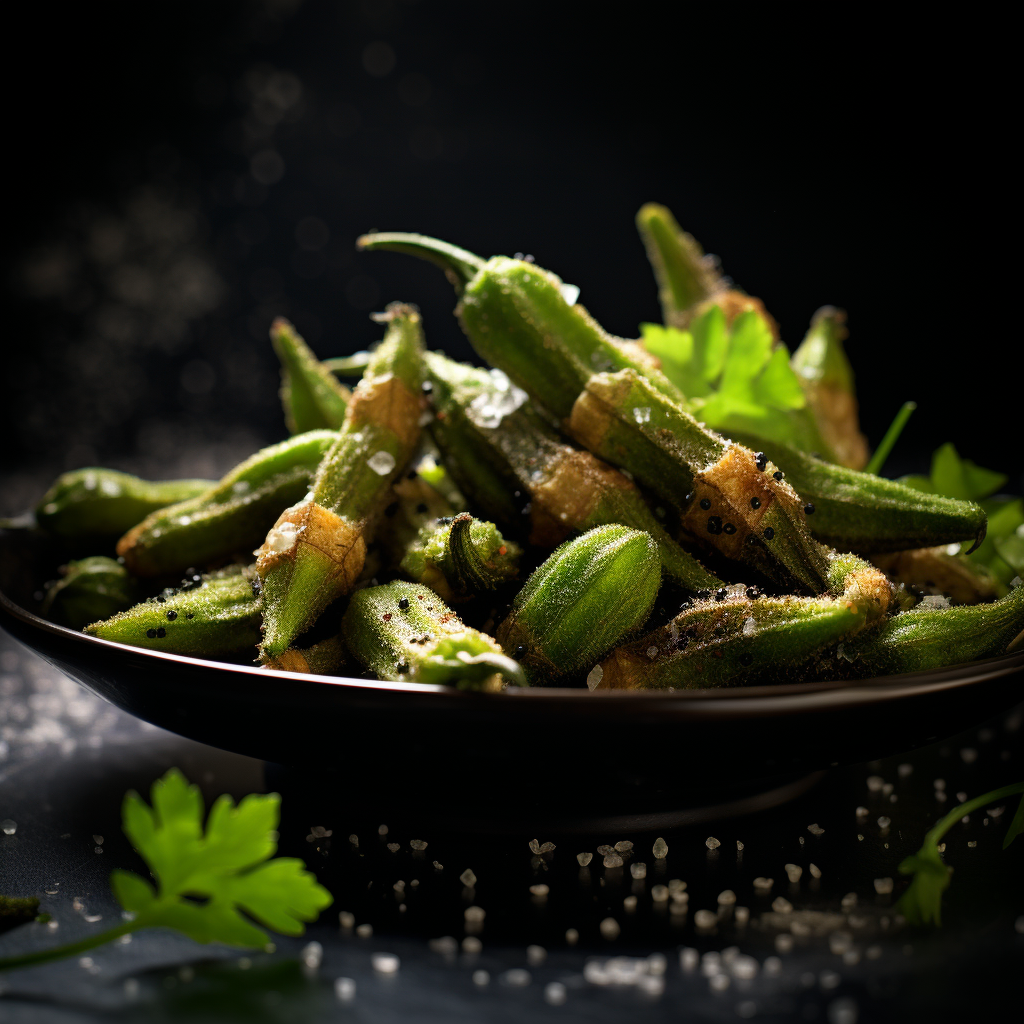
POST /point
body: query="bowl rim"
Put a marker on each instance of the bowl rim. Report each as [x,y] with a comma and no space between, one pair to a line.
[781,697]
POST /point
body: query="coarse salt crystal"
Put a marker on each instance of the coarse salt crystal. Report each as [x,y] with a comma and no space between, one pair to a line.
[660,849]
[623,846]
[883,886]
[475,914]
[571,936]
[594,677]
[417,844]
[638,869]
[814,870]
[612,860]
[381,462]
[815,829]
[781,905]
[610,928]
[540,889]
[385,963]
[712,843]
[629,904]
[467,878]
[659,893]
[762,884]
[472,945]
[793,872]
[584,858]
[536,955]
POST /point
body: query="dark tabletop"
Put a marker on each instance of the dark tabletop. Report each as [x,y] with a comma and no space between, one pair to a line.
[66,759]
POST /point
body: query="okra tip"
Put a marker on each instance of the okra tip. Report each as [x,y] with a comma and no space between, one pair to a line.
[460,265]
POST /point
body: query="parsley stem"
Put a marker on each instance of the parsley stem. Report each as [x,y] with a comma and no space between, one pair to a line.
[72,948]
[946,823]
[890,439]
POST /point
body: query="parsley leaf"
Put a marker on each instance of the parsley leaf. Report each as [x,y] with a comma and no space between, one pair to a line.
[227,867]
[213,886]
[737,378]
[921,903]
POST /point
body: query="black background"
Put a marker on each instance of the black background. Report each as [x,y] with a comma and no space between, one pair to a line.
[856,163]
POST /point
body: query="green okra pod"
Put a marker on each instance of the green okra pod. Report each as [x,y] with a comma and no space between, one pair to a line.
[826,377]
[926,638]
[514,467]
[736,636]
[689,282]
[232,516]
[518,317]
[315,551]
[730,498]
[405,632]
[868,513]
[310,393]
[207,616]
[89,589]
[589,594]
[459,556]
[97,505]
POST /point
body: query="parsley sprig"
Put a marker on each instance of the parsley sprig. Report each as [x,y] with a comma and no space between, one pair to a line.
[922,902]
[737,378]
[211,885]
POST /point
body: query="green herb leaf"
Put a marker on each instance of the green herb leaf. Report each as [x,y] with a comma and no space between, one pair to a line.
[922,902]
[736,378]
[227,867]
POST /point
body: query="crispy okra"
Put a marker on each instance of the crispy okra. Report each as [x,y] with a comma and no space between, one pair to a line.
[206,616]
[310,393]
[586,597]
[88,590]
[97,505]
[232,516]
[405,632]
[315,551]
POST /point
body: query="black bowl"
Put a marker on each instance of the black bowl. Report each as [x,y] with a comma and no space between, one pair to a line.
[642,758]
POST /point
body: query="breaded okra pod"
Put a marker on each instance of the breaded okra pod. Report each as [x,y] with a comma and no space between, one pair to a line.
[315,551]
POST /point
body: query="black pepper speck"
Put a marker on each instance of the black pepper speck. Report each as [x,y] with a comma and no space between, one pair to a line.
[755,502]
[171,615]
[768,533]
[714,524]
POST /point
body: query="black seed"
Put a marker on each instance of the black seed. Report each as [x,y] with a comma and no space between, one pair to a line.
[714,524]
[161,632]
[411,475]
[755,502]
[521,651]
[705,503]
[778,474]
[703,595]
[190,615]
[161,599]
[404,603]
[391,509]
[768,533]
[728,528]
[421,508]
[809,509]
[761,460]
[151,633]
[403,668]
[753,593]
[171,615]
[746,659]
[426,387]
[721,594]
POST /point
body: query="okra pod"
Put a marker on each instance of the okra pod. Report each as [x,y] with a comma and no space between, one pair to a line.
[310,393]
[404,631]
[589,594]
[518,318]
[729,497]
[97,505]
[689,282]
[736,636]
[826,377]
[867,513]
[514,467]
[89,589]
[232,516]
[315,551]
[460,556]
[207,616]
[928,638]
